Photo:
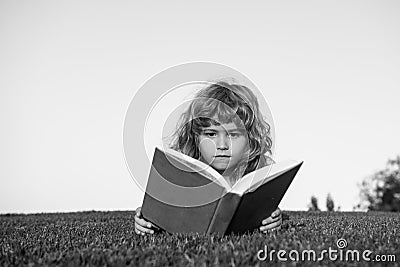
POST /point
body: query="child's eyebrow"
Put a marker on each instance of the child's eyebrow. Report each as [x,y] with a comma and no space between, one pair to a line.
[236,130]
[229,130]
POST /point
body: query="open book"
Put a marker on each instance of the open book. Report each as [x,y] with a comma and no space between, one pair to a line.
[185,195]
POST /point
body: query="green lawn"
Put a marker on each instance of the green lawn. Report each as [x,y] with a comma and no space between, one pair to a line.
[102,238]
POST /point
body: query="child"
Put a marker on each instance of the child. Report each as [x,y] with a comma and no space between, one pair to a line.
[224,128]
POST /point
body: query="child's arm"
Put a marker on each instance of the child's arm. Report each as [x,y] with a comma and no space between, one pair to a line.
[273,222]
[142,226]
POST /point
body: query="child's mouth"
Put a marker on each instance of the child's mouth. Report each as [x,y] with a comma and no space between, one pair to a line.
[222,156]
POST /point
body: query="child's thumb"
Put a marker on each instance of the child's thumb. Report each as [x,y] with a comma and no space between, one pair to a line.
[138,210]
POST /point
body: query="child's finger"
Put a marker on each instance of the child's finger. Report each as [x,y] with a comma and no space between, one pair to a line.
[276,213]
[270,220]
[142,222]
[138,211]
[271,226]
[279,227]
[138,232]
[142,229]
[145,223]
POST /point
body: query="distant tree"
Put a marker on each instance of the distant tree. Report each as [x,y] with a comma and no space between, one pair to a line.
[313,206]
[381,191]
[330,205]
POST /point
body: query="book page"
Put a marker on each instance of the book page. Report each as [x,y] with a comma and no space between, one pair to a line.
[253,180]
[194,165]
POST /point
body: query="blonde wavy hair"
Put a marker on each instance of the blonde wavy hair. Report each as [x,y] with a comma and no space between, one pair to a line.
[229,103]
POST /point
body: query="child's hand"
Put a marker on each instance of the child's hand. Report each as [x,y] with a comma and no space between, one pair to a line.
[273,222]
[142,226]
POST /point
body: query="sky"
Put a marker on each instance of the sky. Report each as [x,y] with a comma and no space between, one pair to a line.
[68,70]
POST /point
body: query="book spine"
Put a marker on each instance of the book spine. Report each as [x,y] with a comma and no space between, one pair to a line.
[223,214]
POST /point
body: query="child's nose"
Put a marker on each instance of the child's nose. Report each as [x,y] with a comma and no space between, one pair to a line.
[223,142]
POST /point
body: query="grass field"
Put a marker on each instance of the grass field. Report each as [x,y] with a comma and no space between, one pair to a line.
[108,238]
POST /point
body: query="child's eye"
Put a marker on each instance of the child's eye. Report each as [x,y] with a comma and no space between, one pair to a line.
[234,135]
[210,134]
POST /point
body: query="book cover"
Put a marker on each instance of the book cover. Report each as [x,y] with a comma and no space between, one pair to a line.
[184,195]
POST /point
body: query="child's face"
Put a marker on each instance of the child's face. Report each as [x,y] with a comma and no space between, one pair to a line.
[223,146]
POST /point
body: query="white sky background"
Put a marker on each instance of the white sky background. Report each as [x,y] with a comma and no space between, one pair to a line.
[68,71]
